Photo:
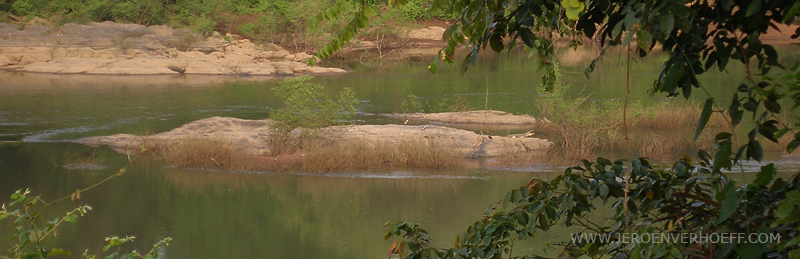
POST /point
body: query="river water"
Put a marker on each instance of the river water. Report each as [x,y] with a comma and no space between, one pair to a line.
[217,214]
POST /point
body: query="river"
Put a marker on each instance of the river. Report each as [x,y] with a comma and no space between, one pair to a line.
[217,214]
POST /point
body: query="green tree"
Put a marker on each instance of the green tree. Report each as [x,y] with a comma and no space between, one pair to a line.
[305,106]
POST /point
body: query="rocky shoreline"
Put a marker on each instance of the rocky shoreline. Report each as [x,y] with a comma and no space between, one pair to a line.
[109,48]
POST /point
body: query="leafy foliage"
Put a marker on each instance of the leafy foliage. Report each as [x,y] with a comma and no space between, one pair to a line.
[411,104]
[306,106]
[689,198]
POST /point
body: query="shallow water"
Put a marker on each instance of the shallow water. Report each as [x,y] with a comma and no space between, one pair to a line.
[212,214]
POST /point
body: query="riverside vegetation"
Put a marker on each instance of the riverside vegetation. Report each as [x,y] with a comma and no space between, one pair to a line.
[280,22]
[694,195]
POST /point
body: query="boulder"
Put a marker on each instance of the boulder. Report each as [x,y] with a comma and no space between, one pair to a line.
[252,137]
[428,33]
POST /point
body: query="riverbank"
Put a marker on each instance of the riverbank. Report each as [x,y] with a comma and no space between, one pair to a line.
[130,49]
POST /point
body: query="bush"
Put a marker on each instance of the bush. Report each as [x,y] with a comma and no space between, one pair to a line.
[411,104]
[306,106]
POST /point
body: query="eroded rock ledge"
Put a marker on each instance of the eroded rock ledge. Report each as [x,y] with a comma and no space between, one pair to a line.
[252,137]
[131,49]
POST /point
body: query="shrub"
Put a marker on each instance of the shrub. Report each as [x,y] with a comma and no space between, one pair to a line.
[306,106]
[411,104]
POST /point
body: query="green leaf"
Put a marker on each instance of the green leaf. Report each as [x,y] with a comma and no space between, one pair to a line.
[70,218]
[729,204]
[794,196]
[643,39]
[791,13]
[58,251]
[431,254]
[754,150]
[672,76]
[496,42]
[433,67]
[751,250]
[734,112]
[785,208]
[704,117]
[766,175]
[780,133]
[572,8]
[753,8]
[667,22]
[722,157]
[527,37]
[603,190]
[772,105]
[675,253]
[369,11]
[792,145]
[603,161]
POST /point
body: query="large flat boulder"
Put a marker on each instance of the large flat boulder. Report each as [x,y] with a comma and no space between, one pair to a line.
[252,137]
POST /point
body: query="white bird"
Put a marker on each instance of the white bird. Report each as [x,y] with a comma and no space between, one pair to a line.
[405,123]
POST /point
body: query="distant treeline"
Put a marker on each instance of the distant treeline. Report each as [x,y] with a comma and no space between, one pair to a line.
[283,22]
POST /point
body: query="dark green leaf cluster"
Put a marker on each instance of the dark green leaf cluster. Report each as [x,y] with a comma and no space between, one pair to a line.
[689,197]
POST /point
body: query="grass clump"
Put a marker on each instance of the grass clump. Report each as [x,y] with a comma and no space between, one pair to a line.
[325,155]
[317,155]
[307,108]
[198,153]
[89,161]
[585,129]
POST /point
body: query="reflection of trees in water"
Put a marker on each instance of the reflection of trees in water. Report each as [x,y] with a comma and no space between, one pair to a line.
[318,215]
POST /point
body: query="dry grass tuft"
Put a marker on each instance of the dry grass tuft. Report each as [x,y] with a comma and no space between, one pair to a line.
[317,155]
[326,155]
[204,153]
[91,161]
[662,132]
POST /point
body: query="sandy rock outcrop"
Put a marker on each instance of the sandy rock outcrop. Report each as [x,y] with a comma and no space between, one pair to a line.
[248,136]
[132,49]
[469,143]
[427,33]
[252,137]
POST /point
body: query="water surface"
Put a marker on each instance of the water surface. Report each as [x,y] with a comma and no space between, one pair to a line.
[216,214]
